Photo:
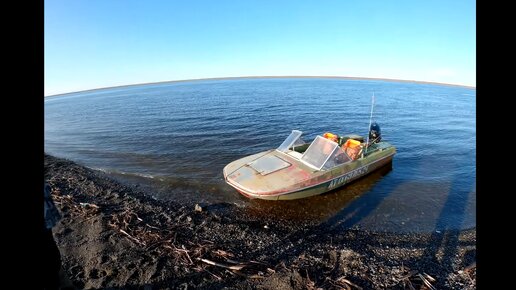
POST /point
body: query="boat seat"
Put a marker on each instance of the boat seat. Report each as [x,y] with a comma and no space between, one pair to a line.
[301,148]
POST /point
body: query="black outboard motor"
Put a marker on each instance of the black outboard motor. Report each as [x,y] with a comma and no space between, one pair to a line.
[375,134]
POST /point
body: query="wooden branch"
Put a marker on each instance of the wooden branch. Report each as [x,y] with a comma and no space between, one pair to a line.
[231,267]
[346,281]
[425,281]
[131,237]
[218,278]
[428,277]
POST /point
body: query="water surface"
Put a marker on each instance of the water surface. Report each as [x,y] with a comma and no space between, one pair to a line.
[173,139]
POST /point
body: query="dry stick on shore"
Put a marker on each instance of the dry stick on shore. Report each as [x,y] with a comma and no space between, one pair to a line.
[142,233]
[128,223]
[82,209]
[183,250]
[342,283]
[217,277]
[231,267]
[346,281]
[426,282]
[131,237]
[152,227]
[428,277]
[223,253]
[129,218]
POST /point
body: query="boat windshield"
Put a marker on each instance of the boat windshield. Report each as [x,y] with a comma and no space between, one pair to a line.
[294,139]
[323,153]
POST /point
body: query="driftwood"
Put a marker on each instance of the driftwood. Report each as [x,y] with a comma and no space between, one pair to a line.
[84,209]
[131,237]
[88,205]
[226,266]
[347,282]
[425,279]
[428,277]
[216,277]
[426,282]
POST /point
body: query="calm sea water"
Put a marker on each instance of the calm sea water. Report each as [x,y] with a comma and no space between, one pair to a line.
[173,139]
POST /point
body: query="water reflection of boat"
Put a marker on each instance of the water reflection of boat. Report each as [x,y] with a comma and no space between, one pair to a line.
[297,169]
[320,207]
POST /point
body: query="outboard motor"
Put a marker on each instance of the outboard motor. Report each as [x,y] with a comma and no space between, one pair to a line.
[375,134]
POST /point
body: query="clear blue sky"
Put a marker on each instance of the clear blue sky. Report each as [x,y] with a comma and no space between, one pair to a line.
[100,43]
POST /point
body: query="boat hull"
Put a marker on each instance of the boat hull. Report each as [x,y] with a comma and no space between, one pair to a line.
[326,181]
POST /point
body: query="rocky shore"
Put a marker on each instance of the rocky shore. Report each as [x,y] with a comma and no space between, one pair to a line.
[113,236]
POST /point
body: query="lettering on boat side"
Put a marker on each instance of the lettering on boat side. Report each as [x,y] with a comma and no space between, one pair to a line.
[345,178]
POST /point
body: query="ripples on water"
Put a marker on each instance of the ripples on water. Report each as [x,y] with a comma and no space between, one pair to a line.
[173,139]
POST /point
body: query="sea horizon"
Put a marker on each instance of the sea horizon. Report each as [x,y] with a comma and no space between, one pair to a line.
[267,77]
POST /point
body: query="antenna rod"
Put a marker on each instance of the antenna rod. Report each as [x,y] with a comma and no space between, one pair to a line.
[370,122]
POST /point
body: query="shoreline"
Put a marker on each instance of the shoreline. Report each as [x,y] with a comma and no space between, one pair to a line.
[267,77]
[115,236]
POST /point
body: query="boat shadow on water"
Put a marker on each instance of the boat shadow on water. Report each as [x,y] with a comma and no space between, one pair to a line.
[320,207]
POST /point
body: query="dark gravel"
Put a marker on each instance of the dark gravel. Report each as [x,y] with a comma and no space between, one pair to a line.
[113,236]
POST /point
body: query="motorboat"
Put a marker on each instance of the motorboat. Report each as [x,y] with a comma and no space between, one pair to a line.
[298,169]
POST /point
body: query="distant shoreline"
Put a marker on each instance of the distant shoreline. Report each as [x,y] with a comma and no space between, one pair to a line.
[269,77]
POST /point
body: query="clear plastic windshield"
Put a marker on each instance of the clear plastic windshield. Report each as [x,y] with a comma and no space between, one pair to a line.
[324,153]
[337,158]
[318,152]
[292,140]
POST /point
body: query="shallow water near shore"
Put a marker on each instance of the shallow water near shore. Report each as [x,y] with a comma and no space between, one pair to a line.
[173,139]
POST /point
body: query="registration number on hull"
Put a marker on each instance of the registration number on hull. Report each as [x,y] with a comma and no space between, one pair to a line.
[348,176]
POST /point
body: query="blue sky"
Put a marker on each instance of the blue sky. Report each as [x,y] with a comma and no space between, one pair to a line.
[100,43]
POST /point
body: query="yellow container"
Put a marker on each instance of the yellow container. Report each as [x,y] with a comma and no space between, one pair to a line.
[351,143]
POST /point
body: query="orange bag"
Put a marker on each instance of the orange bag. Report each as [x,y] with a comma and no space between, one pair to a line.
[352,148]
[331,136]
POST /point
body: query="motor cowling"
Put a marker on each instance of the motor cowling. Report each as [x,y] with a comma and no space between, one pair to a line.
[375,134]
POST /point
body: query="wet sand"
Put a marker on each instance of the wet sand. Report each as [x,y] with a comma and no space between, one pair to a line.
[114,236]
